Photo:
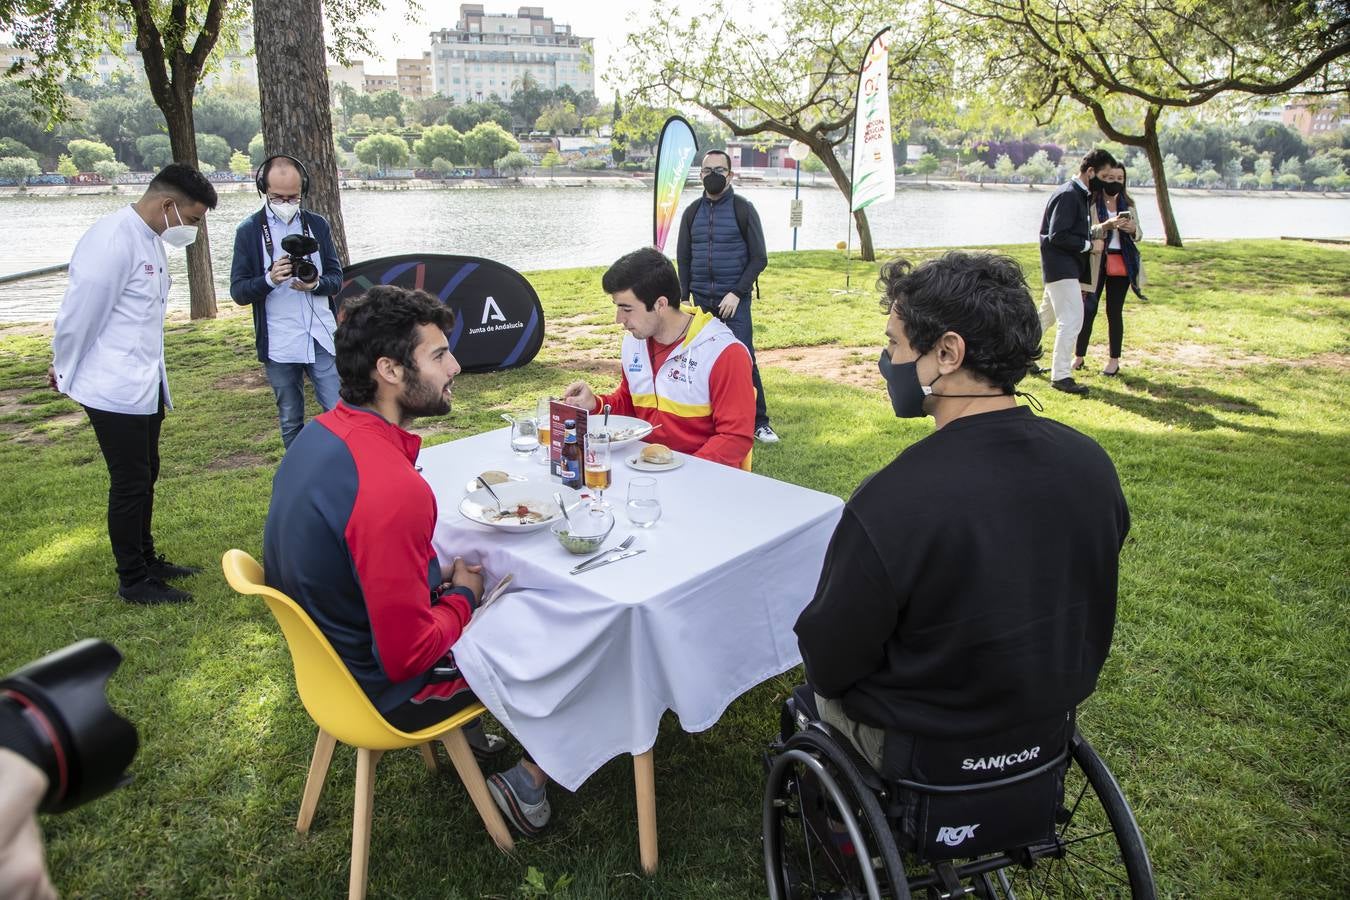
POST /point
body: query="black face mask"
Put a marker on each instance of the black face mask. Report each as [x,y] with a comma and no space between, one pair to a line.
[1113,188]
[714,183]
[902,383]
[1095,184]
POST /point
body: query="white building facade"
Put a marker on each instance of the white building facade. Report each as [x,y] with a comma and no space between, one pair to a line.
[490,53]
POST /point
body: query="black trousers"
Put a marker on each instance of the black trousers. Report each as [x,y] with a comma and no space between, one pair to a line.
[743,328]
[411,716]
[1115,287]
[130,445]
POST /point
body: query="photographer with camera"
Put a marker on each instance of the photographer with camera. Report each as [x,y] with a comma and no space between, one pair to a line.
[286,267]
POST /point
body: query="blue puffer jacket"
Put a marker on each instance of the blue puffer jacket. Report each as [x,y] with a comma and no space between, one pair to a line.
[715,259]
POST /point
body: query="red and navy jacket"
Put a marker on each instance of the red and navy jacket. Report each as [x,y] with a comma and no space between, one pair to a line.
[348,537]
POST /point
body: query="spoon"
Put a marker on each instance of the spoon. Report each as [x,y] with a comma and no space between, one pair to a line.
[495,499]
[605,424]
[557,498]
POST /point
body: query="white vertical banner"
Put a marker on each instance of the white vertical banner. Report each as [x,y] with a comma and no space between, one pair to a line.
[873,174]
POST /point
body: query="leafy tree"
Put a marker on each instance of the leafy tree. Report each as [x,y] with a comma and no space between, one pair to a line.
[119,120]
[86,153]
[11,148]
[1290,181]
[429,110]
[65,166]
[513,163]
[442,166]
[1037,168]
[488,142]
[257,152]
[1321,166]
[240,164]
[1003,167]
[1276,139]
[19,168]
[382,151]
[804,89]
[109,169]
[1140,61]
[551,161]
[926,165]
[558,118]
[1232,172]
[464,118]
[214,149]
[154,151]
[232,117]
[1196,143]
[440,141]
[616,149]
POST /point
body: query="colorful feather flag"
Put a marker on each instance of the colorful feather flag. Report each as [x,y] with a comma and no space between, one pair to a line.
[675,153]
[873,173]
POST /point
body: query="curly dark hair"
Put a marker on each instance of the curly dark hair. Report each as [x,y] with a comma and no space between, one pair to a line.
[981,296]
[382,322]
[648,273]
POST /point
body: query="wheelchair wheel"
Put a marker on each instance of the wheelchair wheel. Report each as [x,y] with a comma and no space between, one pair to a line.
[824,833]
[1099,852]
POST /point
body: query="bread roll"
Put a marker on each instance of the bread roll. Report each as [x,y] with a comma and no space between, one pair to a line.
[495,476]
[657,455]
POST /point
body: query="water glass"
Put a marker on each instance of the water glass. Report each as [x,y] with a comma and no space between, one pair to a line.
[524,434]
[543,417]
[643,506]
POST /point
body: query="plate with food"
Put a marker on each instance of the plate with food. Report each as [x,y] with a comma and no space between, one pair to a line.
[525,505]
[655,458]
[493,477]
[623,430]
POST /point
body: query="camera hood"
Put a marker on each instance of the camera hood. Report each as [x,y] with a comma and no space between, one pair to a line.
[82,744]
[299,244]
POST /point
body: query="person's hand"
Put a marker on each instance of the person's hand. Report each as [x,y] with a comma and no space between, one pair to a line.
[727,308]
[302,286]
[1127,225]
[579,394]
[280,271]
[1098,245]
[23,864]
[51,378]
[1111,223]
[467,576]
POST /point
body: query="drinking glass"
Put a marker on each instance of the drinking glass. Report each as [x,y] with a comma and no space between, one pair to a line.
[597,467]
[543,418]
[524,434]
[643,506]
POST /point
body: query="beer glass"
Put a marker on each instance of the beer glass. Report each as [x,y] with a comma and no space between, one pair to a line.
[597,467]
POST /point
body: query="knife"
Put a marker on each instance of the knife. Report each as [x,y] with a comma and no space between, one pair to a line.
[587,567]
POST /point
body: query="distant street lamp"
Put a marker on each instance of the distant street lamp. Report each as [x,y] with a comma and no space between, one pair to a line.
[798,152]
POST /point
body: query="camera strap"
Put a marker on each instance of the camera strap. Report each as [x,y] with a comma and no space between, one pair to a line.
[267,234]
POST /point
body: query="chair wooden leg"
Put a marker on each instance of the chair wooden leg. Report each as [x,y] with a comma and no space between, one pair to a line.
[366,760]
[463,759]
[644,781]
[429,757]
[318,771]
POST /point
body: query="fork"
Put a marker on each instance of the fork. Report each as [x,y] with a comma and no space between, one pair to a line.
[623,545]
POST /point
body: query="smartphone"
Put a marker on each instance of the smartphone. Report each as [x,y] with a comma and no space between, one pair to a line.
[1126,214]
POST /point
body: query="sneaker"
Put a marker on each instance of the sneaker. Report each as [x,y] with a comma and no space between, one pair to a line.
[1069,386]
[765,434]
[151,591]
[525,805]
[485,746]
[161,568]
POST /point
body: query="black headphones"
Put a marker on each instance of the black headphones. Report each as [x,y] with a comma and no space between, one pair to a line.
[260,177]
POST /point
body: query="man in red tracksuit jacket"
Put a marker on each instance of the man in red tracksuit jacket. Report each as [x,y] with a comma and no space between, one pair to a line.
[349,530]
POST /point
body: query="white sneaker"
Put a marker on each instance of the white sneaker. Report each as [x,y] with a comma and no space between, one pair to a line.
[766,435]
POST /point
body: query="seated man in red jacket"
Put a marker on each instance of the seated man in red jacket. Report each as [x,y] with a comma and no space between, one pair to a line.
[686,372]
[349,530]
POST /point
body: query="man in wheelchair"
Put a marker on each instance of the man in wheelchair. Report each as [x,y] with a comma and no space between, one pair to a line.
[964,609]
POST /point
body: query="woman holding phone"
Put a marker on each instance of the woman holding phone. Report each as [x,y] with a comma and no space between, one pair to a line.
[1116,265]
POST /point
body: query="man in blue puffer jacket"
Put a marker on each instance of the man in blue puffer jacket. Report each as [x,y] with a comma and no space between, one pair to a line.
[720,252]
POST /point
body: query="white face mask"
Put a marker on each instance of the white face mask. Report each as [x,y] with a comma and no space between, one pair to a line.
[284,211]
[178,236]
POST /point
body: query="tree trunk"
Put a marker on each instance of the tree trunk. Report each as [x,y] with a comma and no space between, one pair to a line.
[183,142]
[1155,162]
[293,88]
[825,153]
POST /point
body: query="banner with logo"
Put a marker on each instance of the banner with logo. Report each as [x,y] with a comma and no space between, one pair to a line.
[499,322]
[675,153]
[873,174]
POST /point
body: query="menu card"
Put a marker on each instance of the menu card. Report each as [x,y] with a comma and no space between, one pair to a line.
[559,413]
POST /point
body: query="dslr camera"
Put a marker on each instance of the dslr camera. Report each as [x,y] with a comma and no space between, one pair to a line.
[54,712]
[298,247]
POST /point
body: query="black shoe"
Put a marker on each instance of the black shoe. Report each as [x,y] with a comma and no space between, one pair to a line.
[150,591]
[159,567]
[1069,386]
[1034,369]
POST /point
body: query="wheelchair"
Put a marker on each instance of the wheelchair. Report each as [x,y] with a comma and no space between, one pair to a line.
[1031,812]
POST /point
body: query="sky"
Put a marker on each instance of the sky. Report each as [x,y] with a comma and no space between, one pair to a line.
[607,21]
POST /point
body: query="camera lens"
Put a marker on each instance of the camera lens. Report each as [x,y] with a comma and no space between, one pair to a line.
[303,269]
[54,712]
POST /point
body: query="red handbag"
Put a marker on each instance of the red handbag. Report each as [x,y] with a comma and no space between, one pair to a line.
[1115,265]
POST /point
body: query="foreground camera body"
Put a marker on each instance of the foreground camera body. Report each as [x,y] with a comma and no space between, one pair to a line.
[54,712]
[299,247]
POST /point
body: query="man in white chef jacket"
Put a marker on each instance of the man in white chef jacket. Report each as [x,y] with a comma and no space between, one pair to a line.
[108,356]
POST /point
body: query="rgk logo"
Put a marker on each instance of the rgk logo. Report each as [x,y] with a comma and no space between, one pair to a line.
[491,311]
[953,837]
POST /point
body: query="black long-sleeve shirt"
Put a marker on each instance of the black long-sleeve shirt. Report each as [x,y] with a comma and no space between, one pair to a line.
[971,584]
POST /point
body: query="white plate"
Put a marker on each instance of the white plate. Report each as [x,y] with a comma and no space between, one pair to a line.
[634,429]
[477,506]
[635,462]
[473,484]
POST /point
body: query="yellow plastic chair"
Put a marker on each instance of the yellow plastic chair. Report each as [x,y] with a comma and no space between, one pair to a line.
[342,711]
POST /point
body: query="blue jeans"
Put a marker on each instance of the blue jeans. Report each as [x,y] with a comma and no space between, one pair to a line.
[288,383]
[743,328]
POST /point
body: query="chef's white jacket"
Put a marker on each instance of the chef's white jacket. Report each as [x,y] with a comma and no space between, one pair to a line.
[108,350]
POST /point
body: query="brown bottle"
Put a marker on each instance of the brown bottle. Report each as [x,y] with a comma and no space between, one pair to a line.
[569,468]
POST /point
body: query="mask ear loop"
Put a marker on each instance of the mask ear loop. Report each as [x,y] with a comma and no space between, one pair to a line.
[1031,400]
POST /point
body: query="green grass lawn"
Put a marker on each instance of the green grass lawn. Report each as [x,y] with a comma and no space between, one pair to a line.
[1223,709]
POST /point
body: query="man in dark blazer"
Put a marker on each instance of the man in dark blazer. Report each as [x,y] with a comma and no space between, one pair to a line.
[293,317]
[1066,245]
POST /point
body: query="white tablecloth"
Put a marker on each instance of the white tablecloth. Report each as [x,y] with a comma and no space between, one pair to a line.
[580,668]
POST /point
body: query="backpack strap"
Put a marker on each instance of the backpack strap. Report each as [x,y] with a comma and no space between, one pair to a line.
[742,209]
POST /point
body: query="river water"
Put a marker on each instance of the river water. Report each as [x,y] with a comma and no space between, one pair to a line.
[560,227]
